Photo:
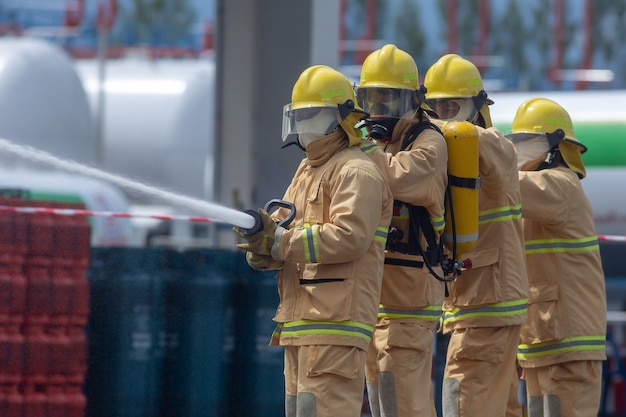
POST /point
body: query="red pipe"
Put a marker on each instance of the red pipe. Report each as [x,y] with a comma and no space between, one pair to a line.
[452,26]
[74,13]
[106,14]
[484,15]
[587,58]
[558,42]
[371,11]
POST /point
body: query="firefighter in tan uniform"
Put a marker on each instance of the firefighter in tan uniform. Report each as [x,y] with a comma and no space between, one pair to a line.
[331,256]
[411,152]
[488,303]
[563,344]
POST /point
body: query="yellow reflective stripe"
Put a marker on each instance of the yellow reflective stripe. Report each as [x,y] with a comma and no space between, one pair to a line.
[404,212]
[570,344]
[329,94]
[311,247]
[584,244]
[438,223]
[500,214]
[367,147]
[309,240]
[381,234]
[504,309]
[312,327]
[430,313]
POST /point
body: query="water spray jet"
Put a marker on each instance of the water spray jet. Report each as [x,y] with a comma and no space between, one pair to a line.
[248,220]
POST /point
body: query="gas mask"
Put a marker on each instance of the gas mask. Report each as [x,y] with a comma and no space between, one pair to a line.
[380,128]
[535,146]
[315,127]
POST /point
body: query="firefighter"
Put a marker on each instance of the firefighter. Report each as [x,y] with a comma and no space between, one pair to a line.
[411,152]
[330,259]
[563,344]
[488,303]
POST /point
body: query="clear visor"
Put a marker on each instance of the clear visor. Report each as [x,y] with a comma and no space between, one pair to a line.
[530,146]
[459,109]
[387,102]
[311,120]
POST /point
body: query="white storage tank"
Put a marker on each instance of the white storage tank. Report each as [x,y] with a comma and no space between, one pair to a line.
[42,101]
[158,121]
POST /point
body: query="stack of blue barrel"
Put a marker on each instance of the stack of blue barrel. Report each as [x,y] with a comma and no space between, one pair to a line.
[181,333]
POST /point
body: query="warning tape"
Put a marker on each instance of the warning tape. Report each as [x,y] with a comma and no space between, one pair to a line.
[88,213]
[612,238]
[200,219]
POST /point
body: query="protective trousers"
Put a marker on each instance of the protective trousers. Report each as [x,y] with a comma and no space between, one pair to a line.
[480,377]
[399,371]
[324,381]
[571,389]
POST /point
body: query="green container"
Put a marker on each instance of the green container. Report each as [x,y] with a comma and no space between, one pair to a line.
[124,365]
[258,379]
[196,297]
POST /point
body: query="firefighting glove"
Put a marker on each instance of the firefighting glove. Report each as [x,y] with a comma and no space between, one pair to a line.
[262,262]
[261,242]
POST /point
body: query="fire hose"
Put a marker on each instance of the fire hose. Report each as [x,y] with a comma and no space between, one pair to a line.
[249,221]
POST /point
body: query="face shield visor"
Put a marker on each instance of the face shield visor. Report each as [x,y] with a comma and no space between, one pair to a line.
[530,146]
[387,102]
[309,121]
[458,109]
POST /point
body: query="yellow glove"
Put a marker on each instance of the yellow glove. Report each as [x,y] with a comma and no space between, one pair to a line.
[261,242]
[262,262]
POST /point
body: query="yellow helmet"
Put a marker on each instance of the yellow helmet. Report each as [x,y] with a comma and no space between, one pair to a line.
[453,77]
[389,84]
[326,96]
[389,67]
[542,116]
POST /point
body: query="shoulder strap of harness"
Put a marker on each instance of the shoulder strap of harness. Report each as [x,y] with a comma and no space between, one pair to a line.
[419,219]
[415,131]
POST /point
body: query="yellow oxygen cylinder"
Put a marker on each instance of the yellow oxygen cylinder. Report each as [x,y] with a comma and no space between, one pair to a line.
[464,182]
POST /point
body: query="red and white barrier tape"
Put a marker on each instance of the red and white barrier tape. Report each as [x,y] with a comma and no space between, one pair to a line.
[87,213]
[200,219]
[612,238]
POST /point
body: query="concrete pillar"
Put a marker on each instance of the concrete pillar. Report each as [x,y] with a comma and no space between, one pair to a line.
[261,48]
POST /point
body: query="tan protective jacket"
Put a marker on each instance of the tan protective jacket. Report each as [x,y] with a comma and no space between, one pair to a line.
[417,175]
[494,292]
[333,251]
[567,304]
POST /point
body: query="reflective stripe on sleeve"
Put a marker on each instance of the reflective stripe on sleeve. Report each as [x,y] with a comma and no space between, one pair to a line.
[569,344]
[500,214]
[504,309]
[381,234]
[438,223]
[309,240]
[311,247]
[585,244]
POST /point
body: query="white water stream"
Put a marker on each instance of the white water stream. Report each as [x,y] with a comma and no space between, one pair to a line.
[205,208]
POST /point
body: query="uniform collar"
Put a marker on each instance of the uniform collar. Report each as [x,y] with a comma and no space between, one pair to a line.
[319,151]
